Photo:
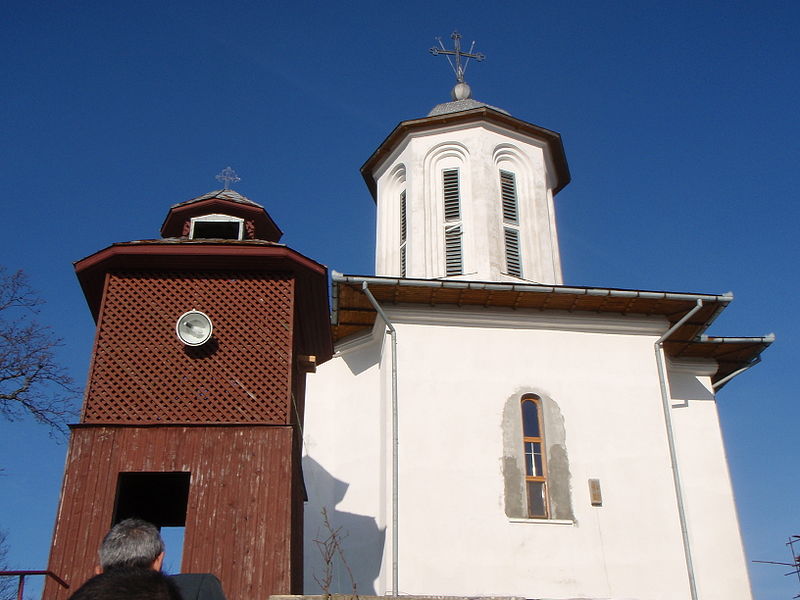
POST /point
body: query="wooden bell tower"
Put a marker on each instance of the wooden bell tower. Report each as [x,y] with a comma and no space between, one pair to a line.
[187,431]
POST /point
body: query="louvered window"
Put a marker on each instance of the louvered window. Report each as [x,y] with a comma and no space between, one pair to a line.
[403,233]
[452,230]
[508,192]
[452,195]
[452,250]
[509,205]
[513,262]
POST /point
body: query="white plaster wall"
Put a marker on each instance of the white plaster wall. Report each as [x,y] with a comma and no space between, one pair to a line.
[455,538]
[344,467]
[479,151]
[717,553]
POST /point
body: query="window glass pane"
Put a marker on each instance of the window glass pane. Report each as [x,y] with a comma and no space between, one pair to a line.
[529,459]
[530,419]
[537,461]
[536,503]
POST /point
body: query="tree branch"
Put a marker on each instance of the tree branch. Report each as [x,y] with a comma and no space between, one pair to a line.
[32,383]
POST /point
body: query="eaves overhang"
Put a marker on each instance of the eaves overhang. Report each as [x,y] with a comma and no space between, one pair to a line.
[353,313]
[552,140]
[217,256]
[731,354]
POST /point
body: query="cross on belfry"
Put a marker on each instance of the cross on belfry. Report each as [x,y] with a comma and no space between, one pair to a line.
[227,176]
[458,69]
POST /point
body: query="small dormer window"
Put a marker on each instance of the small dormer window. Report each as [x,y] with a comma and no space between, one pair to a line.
[219,227]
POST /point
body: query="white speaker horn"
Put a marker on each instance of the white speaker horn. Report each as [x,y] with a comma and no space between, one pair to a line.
[194,328]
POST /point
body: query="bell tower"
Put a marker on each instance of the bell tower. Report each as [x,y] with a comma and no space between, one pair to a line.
[467,192]
[195,396]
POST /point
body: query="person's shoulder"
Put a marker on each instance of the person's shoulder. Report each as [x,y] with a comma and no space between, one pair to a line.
[199,586]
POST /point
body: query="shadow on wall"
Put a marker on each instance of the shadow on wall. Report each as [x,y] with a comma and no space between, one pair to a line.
[684,387]
[366,356]
[362,539]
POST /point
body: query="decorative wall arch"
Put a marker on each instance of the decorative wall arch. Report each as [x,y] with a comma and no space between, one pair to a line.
[559,497]
[397,176]
[445,156]
[538,242]
[513,184]
[388,242]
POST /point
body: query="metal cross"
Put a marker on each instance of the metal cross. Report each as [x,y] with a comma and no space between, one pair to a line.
[227,176]
[458,69]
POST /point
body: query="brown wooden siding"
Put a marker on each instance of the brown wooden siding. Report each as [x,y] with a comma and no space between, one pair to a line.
[244,506]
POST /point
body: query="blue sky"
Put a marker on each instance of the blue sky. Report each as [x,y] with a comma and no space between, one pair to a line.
[679,121]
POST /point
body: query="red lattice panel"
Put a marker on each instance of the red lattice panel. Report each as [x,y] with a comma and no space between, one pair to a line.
[142,373]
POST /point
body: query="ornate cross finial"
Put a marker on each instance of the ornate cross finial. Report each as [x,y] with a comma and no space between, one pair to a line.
[458,68]
[227,176]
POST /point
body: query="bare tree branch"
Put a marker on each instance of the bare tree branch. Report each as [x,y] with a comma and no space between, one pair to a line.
[330,547]
[32,382]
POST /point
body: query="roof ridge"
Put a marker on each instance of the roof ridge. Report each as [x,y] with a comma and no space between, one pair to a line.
[223,194]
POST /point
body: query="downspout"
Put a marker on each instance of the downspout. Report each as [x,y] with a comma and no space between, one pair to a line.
[393,335]
[662,378]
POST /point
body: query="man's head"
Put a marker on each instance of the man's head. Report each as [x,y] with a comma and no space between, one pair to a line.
[132,543]
[124,583]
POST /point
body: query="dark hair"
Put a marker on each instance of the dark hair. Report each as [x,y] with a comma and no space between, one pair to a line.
[126,583]
[131,543]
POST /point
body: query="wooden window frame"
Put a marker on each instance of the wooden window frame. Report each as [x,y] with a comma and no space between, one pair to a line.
[540,439]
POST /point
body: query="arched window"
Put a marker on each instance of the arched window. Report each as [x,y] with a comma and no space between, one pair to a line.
[535,459]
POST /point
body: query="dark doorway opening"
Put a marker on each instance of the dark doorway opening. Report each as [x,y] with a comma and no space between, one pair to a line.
[160,498]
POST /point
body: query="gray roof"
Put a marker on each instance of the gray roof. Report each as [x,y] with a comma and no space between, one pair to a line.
[231,195]
[461,105]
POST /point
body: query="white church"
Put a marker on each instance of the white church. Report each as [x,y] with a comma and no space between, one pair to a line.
[486,430]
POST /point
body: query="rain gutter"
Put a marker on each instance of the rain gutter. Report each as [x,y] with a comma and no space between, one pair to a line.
[665,401]
[393,334]
[535,288]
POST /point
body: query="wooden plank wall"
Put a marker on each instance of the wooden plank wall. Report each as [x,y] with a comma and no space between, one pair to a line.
[245,499]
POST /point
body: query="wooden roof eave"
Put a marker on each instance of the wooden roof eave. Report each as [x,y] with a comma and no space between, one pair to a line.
[730,353]
[347,295]
[354,314]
